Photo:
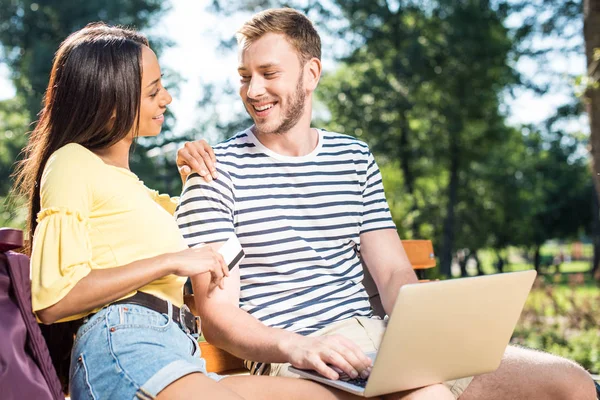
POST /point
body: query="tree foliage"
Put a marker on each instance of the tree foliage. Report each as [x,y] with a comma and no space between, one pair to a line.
[424,84]
[13,124]
[30,33]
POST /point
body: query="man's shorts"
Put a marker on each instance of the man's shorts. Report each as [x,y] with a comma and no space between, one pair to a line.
[367,334]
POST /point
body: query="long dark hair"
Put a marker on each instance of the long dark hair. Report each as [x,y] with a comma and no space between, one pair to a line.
[92,99]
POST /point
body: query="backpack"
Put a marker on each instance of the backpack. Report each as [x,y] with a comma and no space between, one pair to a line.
[26,370]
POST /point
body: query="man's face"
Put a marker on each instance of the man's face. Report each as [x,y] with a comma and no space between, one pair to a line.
[272,84]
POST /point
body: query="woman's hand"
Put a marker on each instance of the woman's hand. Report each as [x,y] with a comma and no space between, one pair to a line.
[199,260]
[197,157]
[105,285]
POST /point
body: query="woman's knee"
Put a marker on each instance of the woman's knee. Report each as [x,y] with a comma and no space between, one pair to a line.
[192,385]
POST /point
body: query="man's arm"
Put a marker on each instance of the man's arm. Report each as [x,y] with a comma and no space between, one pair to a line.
[383,254]
[380,247]
[229,327]
[205,215]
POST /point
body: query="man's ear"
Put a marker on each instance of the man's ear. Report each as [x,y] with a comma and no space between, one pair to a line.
[312,73]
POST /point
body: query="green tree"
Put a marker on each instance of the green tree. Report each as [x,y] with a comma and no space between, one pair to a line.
[423,84]
[395,91]
[13,124]
[30,33]
[560,205]
[592,52]
[591,18]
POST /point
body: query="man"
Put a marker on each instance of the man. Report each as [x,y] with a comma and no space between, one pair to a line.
[308,206]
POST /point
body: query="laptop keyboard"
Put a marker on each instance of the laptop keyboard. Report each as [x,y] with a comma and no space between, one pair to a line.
[358,382]
[362,382]
[343,377]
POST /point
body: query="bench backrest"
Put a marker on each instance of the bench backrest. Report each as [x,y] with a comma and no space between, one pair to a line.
[421,256]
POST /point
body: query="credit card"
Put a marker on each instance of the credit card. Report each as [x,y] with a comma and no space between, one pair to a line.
[232,252]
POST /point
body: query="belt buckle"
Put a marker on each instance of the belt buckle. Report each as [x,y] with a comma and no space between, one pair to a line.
[195,333]
[198,327]
[182,311]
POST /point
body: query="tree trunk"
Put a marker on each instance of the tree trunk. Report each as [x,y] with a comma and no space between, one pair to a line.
[591,32]
[463,258]
[536,259]
[477,263]
[595,232]
[405,165]
[448,233]
[405,154]
[596,260]
[499,262]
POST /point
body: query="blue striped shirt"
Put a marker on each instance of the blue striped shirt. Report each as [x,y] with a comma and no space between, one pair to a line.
[299,221]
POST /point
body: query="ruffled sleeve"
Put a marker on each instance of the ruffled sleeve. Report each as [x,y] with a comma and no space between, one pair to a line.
[61,255]
[165,201]
[61,252]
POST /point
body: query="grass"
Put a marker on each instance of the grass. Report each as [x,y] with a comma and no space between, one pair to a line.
[562,313]
[563,319]
[519,259]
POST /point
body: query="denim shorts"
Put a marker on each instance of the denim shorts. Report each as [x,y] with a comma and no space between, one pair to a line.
[128,351]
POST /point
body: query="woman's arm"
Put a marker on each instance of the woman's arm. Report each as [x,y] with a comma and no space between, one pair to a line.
[103,286]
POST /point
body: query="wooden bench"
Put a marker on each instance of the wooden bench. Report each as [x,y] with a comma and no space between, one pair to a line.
[421,256]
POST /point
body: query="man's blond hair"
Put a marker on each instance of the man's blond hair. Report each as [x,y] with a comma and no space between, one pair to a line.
[296,27]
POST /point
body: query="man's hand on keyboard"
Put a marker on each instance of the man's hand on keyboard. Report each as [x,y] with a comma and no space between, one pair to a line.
[328,355]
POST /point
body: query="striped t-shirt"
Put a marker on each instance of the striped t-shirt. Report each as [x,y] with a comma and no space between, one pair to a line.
[299,221]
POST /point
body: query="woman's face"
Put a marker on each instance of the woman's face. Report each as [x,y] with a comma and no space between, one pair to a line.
[155,97]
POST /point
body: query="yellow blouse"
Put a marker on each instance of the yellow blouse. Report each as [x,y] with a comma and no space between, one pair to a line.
[94,215]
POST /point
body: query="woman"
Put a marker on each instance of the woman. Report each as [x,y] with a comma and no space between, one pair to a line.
[106,248]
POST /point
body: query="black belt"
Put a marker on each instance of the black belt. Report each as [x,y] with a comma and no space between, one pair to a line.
[182,316]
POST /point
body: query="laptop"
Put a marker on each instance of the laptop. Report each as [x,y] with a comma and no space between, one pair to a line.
[441,331]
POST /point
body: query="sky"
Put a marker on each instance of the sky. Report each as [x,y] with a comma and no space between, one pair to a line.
[196,57]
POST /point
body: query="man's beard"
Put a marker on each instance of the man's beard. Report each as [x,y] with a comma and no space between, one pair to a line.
[293,113]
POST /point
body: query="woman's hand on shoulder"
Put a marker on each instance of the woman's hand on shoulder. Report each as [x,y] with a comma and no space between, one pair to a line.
[200,260]
[197,157]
